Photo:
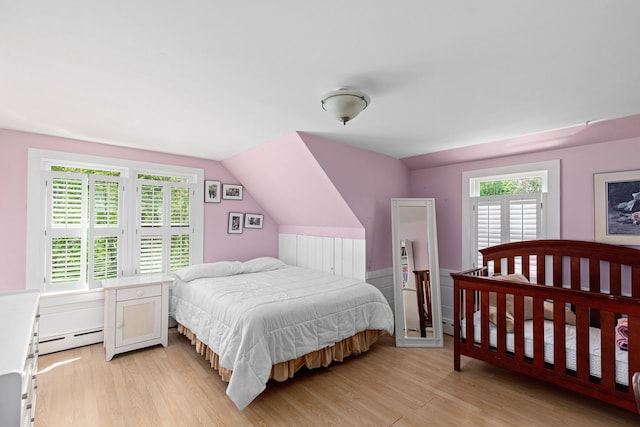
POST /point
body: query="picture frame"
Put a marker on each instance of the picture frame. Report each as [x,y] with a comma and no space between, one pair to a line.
[253,220]
[211,191]
[235,223]
[232,191]
[617,207]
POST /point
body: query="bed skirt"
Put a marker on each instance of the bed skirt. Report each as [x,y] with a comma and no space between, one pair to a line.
[356,344]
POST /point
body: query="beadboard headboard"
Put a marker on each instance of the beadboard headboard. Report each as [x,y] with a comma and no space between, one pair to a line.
[335,255]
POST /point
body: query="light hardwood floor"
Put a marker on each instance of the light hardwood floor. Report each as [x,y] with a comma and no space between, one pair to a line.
[387,386]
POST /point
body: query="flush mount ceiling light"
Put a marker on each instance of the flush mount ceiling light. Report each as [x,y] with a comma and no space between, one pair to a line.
[345,104]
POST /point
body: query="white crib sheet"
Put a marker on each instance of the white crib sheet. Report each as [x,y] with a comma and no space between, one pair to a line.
[595,367]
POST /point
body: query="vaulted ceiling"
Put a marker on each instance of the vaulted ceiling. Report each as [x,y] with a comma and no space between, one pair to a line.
[212,79]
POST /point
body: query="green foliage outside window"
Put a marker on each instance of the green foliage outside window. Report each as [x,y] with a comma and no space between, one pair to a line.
[512,186]
[85,171]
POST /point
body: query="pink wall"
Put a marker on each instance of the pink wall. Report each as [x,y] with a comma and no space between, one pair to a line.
[218,245]
[577,166]
[311,185]
[367,181]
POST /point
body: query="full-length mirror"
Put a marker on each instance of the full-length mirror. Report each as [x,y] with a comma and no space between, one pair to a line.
[416,275]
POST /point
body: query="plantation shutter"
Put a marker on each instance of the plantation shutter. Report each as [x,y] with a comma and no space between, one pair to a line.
[106,232]
[65,230]
[181,230]
[506,218]
[151,227]
[165,231]
[524,218]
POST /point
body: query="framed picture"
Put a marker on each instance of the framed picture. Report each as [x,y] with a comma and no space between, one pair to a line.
[617,207]
[235,223]
[253,220]
[212,191]
[232,192]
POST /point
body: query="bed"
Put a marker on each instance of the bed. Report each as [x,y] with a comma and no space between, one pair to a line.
[562,311]
[264,319]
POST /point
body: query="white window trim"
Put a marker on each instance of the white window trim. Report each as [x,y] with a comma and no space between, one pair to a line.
[552,189]
[39,159]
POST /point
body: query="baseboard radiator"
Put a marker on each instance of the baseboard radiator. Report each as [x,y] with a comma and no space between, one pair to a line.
[71,320]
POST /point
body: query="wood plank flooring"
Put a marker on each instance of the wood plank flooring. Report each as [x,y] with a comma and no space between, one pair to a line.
[387,386]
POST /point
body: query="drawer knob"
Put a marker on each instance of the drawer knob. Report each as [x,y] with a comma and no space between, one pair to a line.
[140,293]
[119,325]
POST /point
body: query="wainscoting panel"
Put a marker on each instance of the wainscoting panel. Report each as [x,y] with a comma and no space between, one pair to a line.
[335,255]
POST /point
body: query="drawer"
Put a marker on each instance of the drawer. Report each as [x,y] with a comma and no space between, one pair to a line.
[138,292]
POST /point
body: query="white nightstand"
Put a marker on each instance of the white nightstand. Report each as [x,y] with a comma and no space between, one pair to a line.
[136,312]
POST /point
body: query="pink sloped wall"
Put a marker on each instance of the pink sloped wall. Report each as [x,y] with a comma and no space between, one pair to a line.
[218,245]
[367,181]
[288,181]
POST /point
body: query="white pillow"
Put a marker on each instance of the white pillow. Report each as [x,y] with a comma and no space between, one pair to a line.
[257,265]
[214,269]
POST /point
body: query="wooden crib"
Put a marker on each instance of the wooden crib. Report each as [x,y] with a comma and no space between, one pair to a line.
[586,283]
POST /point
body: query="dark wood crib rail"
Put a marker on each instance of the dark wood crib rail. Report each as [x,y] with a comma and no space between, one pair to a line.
[595,275]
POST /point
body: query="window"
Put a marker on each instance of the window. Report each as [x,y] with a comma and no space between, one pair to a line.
[95,229]
[164,231]
[507,205]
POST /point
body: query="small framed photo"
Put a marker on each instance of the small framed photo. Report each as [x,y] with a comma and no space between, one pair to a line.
[235,223]
[232,191]
[617,207]
[253,220]
[212,191]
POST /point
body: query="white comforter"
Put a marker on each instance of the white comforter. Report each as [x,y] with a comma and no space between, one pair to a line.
[254,320]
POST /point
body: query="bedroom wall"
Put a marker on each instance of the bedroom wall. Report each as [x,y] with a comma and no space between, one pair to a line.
[218,245]
[314,186]
[577,166]
[367,181]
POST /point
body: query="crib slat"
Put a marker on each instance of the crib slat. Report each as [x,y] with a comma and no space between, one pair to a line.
[594,275]
[557,270]
[541,268]
[518,328]
[511,266]
[608,349]
[501,342]
[615,278]
[538,333]
[582,342]
[525,266]
[484,320]
[576,279]
[468,316]
[559,339]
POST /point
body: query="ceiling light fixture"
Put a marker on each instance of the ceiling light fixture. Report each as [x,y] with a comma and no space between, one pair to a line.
[345,104]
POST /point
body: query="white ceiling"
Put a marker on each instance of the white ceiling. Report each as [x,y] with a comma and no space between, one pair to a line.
[211,79]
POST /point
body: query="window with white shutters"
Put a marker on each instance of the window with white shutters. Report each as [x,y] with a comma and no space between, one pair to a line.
[106,230]
[508,204]
[92,218]
[164,231]
[83,229]
[506,218]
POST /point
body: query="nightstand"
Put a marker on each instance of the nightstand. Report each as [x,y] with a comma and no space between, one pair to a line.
[136,312]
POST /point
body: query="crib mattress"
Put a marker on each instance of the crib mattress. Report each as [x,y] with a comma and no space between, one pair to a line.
[595,367]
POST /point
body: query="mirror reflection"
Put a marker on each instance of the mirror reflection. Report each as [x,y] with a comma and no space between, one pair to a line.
[416,275]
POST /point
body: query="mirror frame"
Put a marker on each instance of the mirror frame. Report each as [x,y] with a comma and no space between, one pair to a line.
[432,246]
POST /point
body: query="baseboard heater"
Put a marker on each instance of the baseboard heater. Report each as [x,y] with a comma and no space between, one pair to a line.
[65,342]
